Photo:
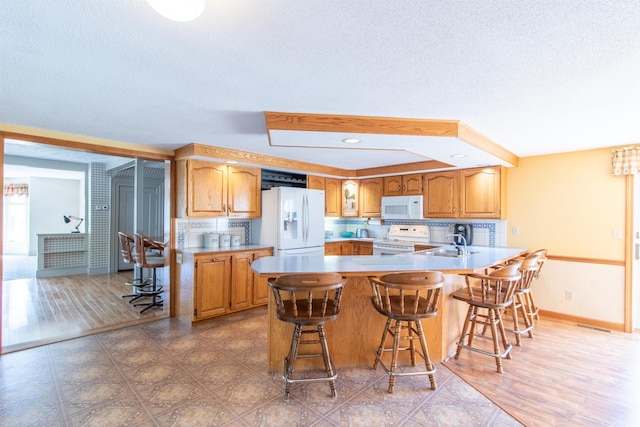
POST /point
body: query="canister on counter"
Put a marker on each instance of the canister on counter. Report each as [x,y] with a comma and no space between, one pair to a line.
[225,240]
[235,240]
[211,240]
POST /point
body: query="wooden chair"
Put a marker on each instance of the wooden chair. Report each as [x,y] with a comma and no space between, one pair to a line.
[405,299]
[529,268]
[487,300]
[149,254]
[307,301]
[138,283]
[531,304]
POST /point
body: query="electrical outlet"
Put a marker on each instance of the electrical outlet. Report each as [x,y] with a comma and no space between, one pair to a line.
[515,230]
[568,295]
[617,234]
[105,207]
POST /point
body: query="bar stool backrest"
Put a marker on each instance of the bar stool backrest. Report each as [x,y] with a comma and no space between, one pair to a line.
[407,296]
[497,287]
[307,298]
[126,242]
[148,252]
[542,257]
[529,269]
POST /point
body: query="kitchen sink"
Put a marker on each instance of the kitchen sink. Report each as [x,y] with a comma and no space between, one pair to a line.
[443,252]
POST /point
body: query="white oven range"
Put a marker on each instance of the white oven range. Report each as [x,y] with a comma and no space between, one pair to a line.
[401,239]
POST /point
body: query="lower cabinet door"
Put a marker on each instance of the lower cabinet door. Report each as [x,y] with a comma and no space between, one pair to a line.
[241,280]
[213,275]
[260,285]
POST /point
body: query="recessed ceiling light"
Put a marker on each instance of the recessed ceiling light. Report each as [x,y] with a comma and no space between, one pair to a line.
[178,10]
[458,156]
[351,140]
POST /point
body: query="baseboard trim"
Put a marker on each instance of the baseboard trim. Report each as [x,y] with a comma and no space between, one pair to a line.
[584,321]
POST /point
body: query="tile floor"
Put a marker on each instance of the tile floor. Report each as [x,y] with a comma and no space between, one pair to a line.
[165,373]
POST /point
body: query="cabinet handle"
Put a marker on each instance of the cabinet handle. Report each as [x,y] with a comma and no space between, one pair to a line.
[224,207]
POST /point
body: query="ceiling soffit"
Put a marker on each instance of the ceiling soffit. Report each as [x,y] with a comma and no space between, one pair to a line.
[431,144]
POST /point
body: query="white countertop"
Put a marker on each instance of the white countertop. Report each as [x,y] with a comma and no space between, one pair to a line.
[356,265]
[203,250]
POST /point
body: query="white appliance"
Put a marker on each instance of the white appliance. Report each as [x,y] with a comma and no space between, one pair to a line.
[401,239]
[293,221]
[402,207]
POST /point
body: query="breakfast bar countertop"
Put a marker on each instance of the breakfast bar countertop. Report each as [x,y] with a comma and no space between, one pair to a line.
[370,264]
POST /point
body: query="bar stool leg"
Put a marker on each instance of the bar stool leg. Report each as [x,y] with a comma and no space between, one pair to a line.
[328,365]
[503,333]
[394,358]
[290,361]
[494,333]
[425,352]
[464,332]
[381,347]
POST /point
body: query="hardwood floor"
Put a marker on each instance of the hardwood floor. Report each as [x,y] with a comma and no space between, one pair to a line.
[565,375]
[40,311]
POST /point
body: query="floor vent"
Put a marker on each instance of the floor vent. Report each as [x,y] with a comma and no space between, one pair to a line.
[593,327]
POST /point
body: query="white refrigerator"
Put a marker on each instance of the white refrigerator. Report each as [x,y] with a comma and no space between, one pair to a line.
[293,221]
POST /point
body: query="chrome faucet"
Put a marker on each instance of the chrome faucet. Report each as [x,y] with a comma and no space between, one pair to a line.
[463,250]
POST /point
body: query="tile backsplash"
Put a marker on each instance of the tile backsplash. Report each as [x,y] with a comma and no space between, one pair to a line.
[485,232]
[190,231]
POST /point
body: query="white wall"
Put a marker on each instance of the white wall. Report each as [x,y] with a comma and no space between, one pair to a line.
[49,200]
[596,290]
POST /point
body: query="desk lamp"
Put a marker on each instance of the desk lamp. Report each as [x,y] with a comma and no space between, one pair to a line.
[68,218]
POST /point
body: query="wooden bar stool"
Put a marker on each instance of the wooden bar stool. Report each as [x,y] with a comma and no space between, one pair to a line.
[528,270]
[405,299]
[531,304]
[308,301]
[486,303]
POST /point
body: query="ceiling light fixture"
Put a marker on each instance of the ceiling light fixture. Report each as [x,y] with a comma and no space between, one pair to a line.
[231,162]
[458,156]
[351,140]
[178,10]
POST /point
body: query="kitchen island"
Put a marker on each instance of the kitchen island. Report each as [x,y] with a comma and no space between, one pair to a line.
[354,337]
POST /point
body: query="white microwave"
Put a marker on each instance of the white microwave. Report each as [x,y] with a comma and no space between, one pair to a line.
[402,207]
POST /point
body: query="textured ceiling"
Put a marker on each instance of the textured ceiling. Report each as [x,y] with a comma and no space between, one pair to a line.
[535,76]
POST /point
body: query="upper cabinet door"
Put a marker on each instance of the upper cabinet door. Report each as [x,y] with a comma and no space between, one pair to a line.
[392,186]
[315,182]
[244,192]
[206,188]
[441,194]
[480,193]
[412,184]
[350,197]
[332,197]
[370,197]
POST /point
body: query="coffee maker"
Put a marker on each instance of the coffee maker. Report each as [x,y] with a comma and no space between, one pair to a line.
[465,230]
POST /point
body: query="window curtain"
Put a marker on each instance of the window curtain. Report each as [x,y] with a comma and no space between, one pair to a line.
[16,190]
[626,161]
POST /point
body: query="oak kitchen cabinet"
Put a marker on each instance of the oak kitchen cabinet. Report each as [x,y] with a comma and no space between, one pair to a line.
[332,193]
[403,185]
[209,189]
[465,193]
[348,247]
[371,197]
[216,283]
[350,195]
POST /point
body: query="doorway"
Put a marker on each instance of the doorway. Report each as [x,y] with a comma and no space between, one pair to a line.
[24,299]
[123,221]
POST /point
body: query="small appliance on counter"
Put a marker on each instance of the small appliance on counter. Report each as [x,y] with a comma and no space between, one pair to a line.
[465,230]
[362,233]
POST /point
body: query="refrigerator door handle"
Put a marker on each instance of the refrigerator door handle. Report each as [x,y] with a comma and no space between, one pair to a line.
[305,218]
